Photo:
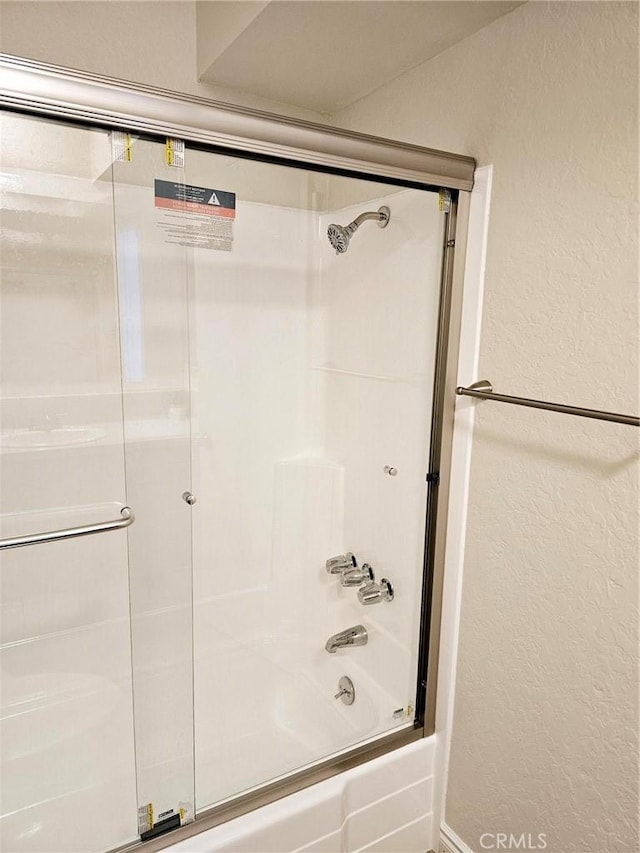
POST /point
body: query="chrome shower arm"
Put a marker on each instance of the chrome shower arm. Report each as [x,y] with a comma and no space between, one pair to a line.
[378,215]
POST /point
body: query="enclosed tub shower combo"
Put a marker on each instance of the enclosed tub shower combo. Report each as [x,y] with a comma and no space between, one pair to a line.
[227,360]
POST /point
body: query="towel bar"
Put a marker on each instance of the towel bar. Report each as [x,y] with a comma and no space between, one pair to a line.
[484,390]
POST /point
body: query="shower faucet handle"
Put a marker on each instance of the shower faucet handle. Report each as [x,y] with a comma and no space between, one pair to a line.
[341,563]
[356,577]
[374,593]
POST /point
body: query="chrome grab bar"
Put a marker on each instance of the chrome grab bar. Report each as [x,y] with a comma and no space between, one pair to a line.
[484,391]
[127,518]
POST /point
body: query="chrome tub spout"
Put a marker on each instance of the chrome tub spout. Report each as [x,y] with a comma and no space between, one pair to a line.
[356,636]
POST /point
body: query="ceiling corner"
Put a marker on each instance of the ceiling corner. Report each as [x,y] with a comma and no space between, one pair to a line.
[218,24]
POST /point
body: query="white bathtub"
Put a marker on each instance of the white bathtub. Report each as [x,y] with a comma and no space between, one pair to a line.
[265,707]
[385,805]
[67,744]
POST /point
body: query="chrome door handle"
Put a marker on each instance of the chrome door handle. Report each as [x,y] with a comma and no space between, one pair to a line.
[127,518]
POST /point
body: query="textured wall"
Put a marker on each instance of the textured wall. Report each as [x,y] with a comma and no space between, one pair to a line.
[546,717]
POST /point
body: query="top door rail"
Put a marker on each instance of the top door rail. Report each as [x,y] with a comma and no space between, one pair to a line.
[484,391]
[51,90]
[127,517]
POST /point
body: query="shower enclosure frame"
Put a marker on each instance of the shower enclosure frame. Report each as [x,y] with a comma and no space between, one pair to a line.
[41,89]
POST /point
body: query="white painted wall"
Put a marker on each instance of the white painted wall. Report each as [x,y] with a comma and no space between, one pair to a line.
[545,729]
[461,456]
[147,41]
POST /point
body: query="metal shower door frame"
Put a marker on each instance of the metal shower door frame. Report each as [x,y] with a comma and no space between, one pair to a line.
[104,101]
[65,94]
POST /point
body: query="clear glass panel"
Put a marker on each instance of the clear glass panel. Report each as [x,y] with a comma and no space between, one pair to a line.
[311,373]
[152,279]
[158,320]
[68,764]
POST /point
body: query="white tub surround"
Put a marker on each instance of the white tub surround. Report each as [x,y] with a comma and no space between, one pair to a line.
[384,805]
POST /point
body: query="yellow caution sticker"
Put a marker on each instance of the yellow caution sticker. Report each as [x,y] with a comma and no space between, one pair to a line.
[122,147]
[145,818]
[174,151]
[444,201]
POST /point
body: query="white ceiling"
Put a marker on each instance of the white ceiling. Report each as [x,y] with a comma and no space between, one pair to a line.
[325,54]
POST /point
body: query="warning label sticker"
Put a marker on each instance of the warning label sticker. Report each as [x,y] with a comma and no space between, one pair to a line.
[195,216]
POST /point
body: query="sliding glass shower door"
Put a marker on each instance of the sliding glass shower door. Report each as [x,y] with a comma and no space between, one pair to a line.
[152,277]
[312,376]
[67,744]
[97,695]
[181,337]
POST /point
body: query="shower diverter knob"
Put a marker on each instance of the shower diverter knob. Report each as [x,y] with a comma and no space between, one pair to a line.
[373,593]
[355,577]
[341,563]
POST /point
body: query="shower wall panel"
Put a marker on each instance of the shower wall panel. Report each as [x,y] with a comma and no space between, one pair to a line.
[381,303]
[310,372]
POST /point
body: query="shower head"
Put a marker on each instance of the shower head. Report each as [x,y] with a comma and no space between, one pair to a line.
[339,238]
[340,235]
